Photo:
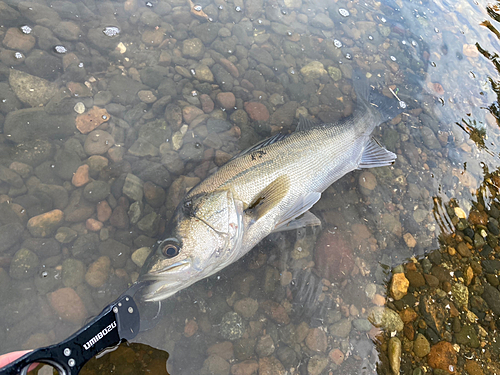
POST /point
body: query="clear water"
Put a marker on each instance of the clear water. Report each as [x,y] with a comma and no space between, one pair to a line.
[439,58]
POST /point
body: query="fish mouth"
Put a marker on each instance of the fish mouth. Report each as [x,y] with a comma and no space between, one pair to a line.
[165,282]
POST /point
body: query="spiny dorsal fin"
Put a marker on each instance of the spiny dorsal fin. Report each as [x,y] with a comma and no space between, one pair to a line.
[375,155]
[305,124]
[265,142]
[269,197]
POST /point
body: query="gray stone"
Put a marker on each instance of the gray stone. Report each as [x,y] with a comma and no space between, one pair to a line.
[8,15]
[10,235]
[207,31]
[261,55]
[85,246]
[9,102]
[192,151]
[362,324]
[27,124]
[96,191]
[98,38]
[149,224]
[73,272]
[39,13]
[232,326]
[43,247]
[223,77]
[153,76]
[265,346]
[316,365]
[9,176]
[116,251]
[133,187]
[66,163]
[193,48]
[66,235]
[48,280]
[44,65]
[322,21]
[172,162]
[24,264]
[341,328]
[125,89]
[98,142]
[492,297]
[429,138]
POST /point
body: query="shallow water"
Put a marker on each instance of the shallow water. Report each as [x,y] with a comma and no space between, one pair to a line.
[111,111]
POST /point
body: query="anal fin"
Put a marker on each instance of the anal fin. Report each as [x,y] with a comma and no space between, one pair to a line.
[375,155]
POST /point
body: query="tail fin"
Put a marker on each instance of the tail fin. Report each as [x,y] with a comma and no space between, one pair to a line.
[387,107]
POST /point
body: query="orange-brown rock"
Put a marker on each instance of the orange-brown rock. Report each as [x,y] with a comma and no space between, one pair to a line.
[443,356]
[91,119]
[45,224]
[399,286]
[81,176]
[478,217]
[68,305]
[93,225]
[103,211]
[408,315]
[190,328]
[248,367]
[275,311]
[336,356]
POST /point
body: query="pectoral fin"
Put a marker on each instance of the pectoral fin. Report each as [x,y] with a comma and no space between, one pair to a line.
[307,219]
[301,206]
[269,197]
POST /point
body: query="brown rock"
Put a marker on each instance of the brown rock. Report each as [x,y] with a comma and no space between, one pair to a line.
[119,218]
[463,249]
[246,307]
[415,278]
[443,356]
[257,111]
[408,315]
[190,112]
[378,300]
[155,195]
[93,225]
[333,256]
[98,272]
[68,305]
[399,286]
[88,121]
[16,40]
[275,311]
[248,367]
[226,100]
[473,367]
[98,142]
[222,349]
[478,217]
[270,366]
[207,104]
[147,96]
[103,211]
[190,328]
[81,176]
[433,281]
[45,224]
[79,89]
[230,67]
[336,356]
[409,240]
[316,340]
[153,37]
[367,180]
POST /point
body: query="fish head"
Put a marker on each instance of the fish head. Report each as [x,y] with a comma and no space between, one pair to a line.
[199,241]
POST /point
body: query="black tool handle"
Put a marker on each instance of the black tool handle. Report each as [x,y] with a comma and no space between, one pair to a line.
[118,321]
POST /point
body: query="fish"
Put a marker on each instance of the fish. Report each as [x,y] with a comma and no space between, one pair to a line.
[267,188]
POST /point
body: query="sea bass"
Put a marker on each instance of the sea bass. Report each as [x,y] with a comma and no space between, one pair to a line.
[269,187]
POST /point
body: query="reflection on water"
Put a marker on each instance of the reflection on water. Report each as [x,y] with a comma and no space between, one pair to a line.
[111,111]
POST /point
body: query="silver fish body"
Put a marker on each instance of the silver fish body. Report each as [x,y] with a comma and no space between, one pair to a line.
[262,190]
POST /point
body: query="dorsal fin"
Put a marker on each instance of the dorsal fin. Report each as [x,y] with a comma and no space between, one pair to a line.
[305,124]
[265,142]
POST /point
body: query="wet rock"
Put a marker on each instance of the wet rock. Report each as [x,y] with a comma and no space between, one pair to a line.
[24,264]
[284,115]
[26,124]
[86,122]
[98,142]
[17,40]
[9,176]
[394,352]
[9,235]
[207,32]
[150,224]
[133,187]
[96,191]
[275,311]
[333,256]
[226,100]
[65,164]
[73,272]
[421,346]
[98,272]
[342,328]
[316,340]
[8,100]
[119,218]
[473,367]
[45,225]
[66,235]
[265,346]
[399,286]
[367,180]
[248,367]
[316,365]
[322,21]
[386,318]
[189,113]
[246,307]
[140,255]
[207,103]
[313,70]
[30,89]
[215,365]
[256,111]
[442,356]
[203,74]
[261,55]
[85,246]
[81,176]
[44,65]
[460,294]
[68,305]
[223,77]
[125,89]
[232,326]
[467,336]
[492,297]
[193,48]
[271,366]
[147,96]
[117,252]
[8,15]
[415,278]
[429,138]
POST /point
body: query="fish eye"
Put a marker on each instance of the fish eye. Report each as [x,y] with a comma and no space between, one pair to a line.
[170,250]
[188,203]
